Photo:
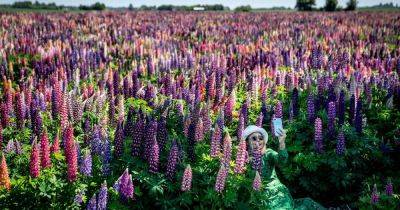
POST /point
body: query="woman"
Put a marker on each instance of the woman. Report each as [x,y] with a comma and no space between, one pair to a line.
[277,195]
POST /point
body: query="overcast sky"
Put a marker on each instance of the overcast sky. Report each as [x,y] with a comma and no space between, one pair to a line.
[230,3]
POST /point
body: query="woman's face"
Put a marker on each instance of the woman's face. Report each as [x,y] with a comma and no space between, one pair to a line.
[256,141]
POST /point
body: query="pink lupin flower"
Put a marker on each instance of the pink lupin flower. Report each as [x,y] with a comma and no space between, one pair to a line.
[227,150]
[257,182]
[215,142]
[55,147]
[240,157]
[221,178]
[34,163]
[187,179]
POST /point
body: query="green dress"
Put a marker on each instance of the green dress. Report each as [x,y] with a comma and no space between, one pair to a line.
[277,195]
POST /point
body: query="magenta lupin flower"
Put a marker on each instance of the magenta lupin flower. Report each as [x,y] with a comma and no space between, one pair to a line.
[221,178]
[215,142]
[34,163]
[187,179]
[71,155]
[318,136]
[45,150]
[1,137]
[374,195]
[55,147]
[241,157]
[257,182]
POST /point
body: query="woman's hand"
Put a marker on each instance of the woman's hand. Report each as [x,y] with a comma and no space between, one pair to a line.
[282,138]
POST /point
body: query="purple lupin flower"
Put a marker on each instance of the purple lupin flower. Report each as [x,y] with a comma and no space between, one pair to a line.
[18,147]
[389,188]
[358,117]
[278,110]
[310,108]
[79,198]
[206,121]
[341,108]
[352,109]
[172,161]
[243,112]
[10,147]
[186,184]
[295,102]
[260,119]
[106,157]
[256,163]
[257,182]
[150,136]
[331,118]
[240,157]
[162,132]
[102,197]
[229,106]
[341,144]
[118,141]
[221,178]
[92,205]
[20,109]
[125,186]
[137,136]
[240,127]
[215,142]
[318,136]
[374,195]
[154,157]
[95,143]
[86,164]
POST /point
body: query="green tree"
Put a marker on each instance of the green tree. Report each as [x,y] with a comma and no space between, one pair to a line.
[351,5]
[331,5]
[246,8]
[305,5]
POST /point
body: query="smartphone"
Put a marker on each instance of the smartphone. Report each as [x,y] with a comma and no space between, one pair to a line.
[277,122]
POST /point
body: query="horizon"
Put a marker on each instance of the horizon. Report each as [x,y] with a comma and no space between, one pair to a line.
[226,3]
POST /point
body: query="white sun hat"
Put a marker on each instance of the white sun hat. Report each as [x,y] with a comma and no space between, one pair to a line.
[252,129]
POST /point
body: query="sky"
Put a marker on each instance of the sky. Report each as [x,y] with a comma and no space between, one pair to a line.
[230,3]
